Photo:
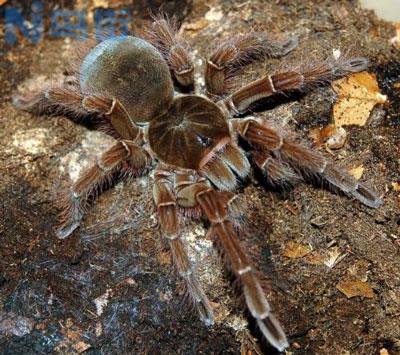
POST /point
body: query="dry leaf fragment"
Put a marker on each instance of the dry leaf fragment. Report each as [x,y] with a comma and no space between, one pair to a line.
[333,137]
[315,258]
[396,186]
[353,288]
[329,258]
[333,257]
[291,208]
[357,172]
[338,139]
[73,334]
[359,270]
[164,258]
[358,94]
[320,135]
[81,346]
[296,250]
[196,26]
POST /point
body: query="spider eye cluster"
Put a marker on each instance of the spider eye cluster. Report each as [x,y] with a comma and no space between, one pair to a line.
[190,133]
[132,71]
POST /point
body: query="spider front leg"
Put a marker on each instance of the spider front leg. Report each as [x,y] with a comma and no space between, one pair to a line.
[282,151]
[123,156]
[301,79]
[232,55]
[70,99]
[215,205]
[163,34]
[58,99]
[116,114]
[165,201]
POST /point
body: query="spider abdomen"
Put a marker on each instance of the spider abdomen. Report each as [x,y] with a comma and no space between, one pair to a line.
[131,70]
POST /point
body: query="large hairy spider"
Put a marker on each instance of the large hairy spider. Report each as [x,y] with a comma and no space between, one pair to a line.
[193,142]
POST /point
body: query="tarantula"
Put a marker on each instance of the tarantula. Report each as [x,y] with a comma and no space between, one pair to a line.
[197,145]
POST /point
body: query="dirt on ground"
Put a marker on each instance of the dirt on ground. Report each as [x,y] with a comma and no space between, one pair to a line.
[111,288]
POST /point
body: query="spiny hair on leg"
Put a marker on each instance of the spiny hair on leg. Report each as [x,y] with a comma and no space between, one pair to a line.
[323,72]
[162,32]
[229,56]
[53,100]
[225,167]
[74,203]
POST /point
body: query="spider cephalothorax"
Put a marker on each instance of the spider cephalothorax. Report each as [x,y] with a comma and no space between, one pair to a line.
[191,140]
[195,127]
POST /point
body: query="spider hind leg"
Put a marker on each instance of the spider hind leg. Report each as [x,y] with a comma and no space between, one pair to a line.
[305,162]
[165,200]
[94,180]
[214,205]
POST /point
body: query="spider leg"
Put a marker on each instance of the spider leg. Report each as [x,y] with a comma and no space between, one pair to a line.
[57,99]
[168,218]
[118,119]
[63,99]
[232,55]
[223,166]
[215,205]
[303,160]
[94,180]
[301,79]
[60,99]
[276,171]
[163,34]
